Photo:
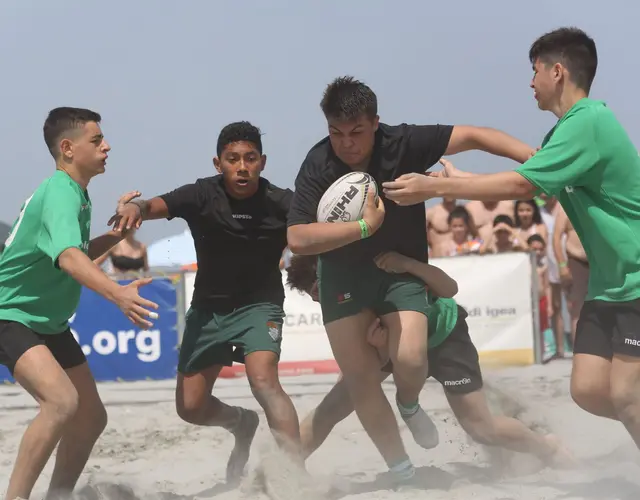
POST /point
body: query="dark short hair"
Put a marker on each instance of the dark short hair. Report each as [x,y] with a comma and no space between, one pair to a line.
[459,212]
[301,273]
[536,237]
[572,48]
[62,121]
[503,219]
[537,216]
[239,131]
[346,98]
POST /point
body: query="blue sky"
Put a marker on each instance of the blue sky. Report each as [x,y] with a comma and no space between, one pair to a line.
[167,76]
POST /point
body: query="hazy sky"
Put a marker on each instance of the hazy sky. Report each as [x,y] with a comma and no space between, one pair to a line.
[167,75]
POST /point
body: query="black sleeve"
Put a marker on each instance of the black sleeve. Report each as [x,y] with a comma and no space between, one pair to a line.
[185,202]
[427,144]
[310,186]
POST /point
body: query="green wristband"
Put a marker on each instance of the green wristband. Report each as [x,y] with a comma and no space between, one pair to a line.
[562,264]
[364,229]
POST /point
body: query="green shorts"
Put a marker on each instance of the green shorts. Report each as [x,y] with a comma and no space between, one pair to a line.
[347,290]
[212,338]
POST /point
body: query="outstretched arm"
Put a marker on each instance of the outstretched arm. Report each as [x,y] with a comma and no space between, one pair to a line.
[496,142]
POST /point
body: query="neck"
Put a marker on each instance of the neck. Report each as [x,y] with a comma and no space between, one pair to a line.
[568,99]
[460,239]
[72,171]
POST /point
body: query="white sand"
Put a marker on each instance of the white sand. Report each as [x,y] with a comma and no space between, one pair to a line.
[148,448]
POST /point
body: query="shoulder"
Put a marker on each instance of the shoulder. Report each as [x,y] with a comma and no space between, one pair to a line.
[276,193]
[59,188]
[319,156]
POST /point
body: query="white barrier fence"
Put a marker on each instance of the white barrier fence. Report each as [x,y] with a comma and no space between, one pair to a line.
[496,291]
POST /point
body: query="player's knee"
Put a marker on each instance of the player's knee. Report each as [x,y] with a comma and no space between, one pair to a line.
[588,394]
[625,397]
[264,382]
[189,409]
[61,406]
[411,360]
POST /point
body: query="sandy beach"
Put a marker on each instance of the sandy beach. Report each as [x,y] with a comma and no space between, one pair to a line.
[148,452]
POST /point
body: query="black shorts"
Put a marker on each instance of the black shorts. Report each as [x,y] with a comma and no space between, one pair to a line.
[608,328]
[455,362]
[16,339]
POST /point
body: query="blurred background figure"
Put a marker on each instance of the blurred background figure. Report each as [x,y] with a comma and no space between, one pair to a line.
[549,208]
[528,221]
[574,271]
[504,237]
[439,227]
[128,256]
[484,213]
[464,238]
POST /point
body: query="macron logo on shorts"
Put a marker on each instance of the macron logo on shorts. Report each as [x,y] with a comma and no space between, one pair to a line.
[632,342]
[462,381]
[344,297]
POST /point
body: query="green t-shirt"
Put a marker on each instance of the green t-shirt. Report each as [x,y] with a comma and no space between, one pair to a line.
[590,163]
[33,290]
[442,317]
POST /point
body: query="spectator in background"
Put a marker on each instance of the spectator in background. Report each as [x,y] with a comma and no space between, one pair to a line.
[504,237]
[438,226]
[464,239]
[574,271]
[130,255]
[528,221]
[538,246]
[549,208]
[484,213]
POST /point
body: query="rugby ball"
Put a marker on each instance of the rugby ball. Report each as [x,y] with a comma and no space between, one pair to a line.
[345,199]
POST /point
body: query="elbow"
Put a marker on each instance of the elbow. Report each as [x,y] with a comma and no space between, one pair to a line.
[65,260]
[523,189]
[297,242]
[451,290]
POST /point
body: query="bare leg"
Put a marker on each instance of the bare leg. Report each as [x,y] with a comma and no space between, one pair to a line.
[195,404]
[591,385]
[625,393]
[473,414]
[80,434]
[262,372]
[333,409]
[408,338]
[41,376]
[360,367]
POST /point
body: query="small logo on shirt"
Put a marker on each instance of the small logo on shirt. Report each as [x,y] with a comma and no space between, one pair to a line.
[242,216]
[569,189]
[275,330]
[344,297]
[84,207]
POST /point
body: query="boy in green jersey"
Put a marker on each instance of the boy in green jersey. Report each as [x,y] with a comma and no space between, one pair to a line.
[589,162]
[44,263]
[452,361]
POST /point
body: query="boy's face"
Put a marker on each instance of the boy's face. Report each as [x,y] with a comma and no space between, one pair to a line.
[241,165]
[538,248]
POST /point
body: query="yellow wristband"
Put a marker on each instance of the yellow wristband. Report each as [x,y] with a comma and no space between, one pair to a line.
[562,264]
[364,229]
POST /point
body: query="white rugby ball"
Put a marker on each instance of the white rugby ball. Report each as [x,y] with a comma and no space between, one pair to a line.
[345,199]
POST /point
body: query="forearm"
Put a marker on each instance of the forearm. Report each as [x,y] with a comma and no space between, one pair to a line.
[82,269]
[99,246]
[439,282]
[500,143]
[491,187]
[321,237]
[152,209]
[558,251]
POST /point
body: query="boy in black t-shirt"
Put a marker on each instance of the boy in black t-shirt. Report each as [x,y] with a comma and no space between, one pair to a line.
[238,221]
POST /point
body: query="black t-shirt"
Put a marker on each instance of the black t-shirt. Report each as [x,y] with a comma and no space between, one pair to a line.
[238,242]
[398,150]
